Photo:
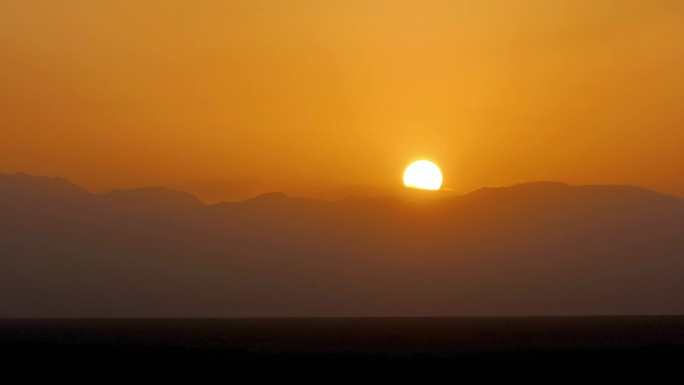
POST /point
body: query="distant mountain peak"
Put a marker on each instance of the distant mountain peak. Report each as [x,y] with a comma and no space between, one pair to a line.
[269,197]
[531,185]
[23,183]
[157,197]
[547,186]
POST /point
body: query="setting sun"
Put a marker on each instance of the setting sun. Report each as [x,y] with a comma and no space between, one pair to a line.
[423,174]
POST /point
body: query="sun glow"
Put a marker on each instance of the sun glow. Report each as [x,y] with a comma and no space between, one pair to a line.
[423,174]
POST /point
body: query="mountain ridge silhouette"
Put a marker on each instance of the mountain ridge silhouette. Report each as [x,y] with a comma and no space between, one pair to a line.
[540,248]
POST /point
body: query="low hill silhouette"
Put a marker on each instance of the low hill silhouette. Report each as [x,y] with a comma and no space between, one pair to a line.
[530,249]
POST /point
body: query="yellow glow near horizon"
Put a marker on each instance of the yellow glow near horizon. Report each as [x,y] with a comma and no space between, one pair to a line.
[423,174]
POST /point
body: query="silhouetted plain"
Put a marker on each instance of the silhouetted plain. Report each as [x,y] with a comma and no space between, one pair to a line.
[489,347]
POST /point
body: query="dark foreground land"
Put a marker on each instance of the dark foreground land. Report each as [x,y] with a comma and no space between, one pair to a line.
[487,345]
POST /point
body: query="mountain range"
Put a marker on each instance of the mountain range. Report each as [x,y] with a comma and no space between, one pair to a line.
[541,248]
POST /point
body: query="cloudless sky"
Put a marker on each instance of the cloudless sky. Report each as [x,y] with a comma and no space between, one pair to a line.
[229,98]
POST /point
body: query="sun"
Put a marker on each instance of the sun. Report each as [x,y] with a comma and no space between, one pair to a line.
[424,175]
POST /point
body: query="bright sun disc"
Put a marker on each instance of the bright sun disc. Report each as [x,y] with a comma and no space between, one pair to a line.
[423,174]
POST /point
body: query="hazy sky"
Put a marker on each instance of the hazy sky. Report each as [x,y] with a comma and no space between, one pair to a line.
[227,98]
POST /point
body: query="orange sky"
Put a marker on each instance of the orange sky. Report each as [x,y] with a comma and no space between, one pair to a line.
[232,98]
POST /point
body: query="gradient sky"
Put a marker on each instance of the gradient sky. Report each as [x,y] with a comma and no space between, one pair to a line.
[232,98]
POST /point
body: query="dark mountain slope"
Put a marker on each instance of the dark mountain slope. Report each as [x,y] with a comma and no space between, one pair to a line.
[530,249]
